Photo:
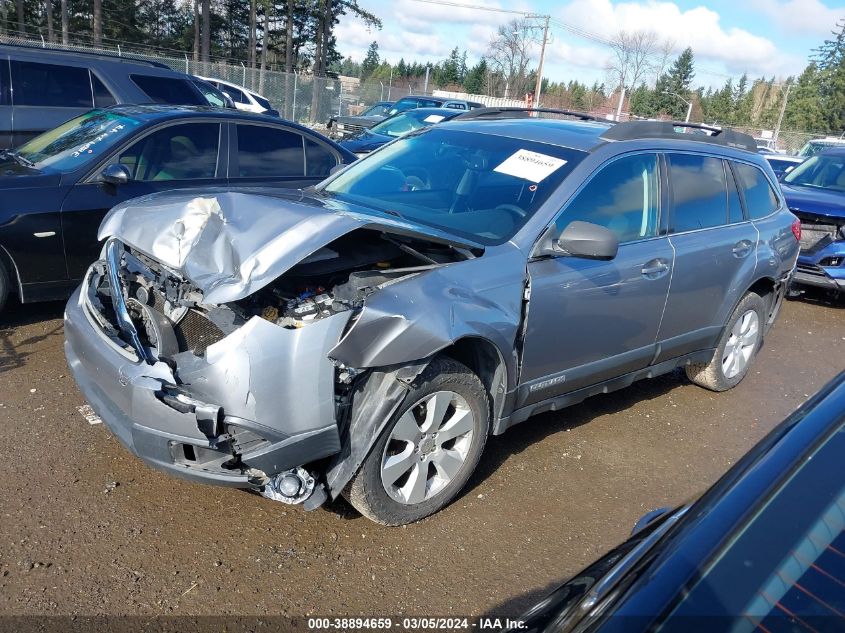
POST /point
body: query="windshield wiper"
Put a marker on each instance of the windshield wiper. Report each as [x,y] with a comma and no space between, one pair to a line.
[15,156]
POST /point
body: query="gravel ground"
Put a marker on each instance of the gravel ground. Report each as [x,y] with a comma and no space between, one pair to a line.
[85,528]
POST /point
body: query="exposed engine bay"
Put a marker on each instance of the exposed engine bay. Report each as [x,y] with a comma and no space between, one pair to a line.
[339,276]
[171,316]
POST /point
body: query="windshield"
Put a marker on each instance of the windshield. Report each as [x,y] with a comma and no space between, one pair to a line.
[405,122]
[787,560]
[376,110]
[824,171]
[478,186]
[811,148]
[79,141]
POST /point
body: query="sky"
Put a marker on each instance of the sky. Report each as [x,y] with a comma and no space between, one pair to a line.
[729,37]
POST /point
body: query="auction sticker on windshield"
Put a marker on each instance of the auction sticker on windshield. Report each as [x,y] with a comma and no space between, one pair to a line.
[433,118]
[530,165]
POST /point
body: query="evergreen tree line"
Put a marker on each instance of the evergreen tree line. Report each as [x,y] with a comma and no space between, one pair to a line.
[815,100]
[280,34]
[299,34]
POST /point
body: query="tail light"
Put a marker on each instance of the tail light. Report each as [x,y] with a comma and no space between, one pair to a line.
[796,229]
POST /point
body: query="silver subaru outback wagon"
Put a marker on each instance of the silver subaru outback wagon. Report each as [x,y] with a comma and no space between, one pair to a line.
[365,337]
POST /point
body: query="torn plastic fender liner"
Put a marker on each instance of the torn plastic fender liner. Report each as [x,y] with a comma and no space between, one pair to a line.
[375,400]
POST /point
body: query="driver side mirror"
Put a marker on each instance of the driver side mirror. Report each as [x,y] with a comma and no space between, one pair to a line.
[116,174]
[587,240]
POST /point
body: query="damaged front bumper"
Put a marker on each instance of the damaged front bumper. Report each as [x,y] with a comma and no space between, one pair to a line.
[821,262]
[257,403]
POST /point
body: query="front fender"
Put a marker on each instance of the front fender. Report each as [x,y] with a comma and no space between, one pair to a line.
[422,315]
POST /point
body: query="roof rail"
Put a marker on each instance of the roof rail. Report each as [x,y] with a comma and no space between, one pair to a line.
[523,113]
[125,57]
[631,130]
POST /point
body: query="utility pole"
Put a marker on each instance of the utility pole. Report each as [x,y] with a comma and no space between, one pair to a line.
[780,116]
[425,86]
[539,87]
[621,99]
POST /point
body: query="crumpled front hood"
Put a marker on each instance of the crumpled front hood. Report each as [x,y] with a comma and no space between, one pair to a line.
[230,244]
[815,201]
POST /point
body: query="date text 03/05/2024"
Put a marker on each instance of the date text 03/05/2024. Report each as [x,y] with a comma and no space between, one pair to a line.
[414,623]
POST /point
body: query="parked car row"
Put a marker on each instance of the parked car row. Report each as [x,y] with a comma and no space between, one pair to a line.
[42,88]
[343,127]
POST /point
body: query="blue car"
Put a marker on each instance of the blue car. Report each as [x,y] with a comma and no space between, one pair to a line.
[815,192]
[395,126]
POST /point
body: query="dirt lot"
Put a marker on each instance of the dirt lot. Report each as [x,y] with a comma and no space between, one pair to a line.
[85,528]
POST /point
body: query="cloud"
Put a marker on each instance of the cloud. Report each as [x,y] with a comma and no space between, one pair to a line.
[801,17]
[354,38]
[738,50]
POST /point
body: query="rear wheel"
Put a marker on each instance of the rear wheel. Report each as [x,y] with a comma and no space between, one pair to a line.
[737,348]
[427,451]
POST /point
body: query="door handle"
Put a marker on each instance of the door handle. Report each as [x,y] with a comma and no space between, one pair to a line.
[655,268]
[741,249]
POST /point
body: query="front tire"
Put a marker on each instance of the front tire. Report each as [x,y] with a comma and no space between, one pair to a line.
[428,450]
[740,342]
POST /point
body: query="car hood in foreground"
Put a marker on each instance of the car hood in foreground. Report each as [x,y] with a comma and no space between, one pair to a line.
[230,244]
[815,201]
[365,141]
[17,177]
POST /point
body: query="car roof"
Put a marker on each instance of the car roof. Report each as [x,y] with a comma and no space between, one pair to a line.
[579,135]
[586,132]
[87,56]
[164,112]
[438,111]
[231,84]
[786,157]
[833,151]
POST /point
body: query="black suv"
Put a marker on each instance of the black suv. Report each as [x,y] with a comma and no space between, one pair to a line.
[40,89]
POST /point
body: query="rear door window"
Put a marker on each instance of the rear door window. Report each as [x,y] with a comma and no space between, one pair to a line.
[760,198]
[318,159]
[50,85]
[168,90]
[187,151]
[269,152]
[699,192]
[622,197]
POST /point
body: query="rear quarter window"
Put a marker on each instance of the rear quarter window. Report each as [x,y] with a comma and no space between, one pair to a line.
[760,198]
[50,85]
[168,90]
[699,192]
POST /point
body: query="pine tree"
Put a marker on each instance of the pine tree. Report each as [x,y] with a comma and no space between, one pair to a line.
[371,61]
[830,62]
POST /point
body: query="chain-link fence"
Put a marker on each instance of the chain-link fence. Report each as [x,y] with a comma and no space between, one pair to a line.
[299,97]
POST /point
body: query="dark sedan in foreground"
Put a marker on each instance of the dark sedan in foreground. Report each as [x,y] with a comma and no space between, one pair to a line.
[55,189]
[762,550]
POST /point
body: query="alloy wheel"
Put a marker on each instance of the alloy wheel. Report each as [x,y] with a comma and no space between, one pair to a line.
[740,345]
[427,447]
